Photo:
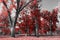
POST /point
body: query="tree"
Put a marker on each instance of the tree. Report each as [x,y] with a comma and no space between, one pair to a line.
[17,6]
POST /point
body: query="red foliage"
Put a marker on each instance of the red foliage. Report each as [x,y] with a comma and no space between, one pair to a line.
[43,19]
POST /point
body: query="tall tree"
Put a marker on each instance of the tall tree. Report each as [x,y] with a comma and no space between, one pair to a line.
[15,6]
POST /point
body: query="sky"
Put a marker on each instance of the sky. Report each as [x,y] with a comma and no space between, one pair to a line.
[49,4]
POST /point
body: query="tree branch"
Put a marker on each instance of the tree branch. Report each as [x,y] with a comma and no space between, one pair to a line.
[20,9]
[18,4]
[8,12]
[16,12]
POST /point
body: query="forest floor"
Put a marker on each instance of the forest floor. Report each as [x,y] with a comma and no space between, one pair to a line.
[30,38]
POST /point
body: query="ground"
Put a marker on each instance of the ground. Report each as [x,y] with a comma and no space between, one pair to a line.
[31,38]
